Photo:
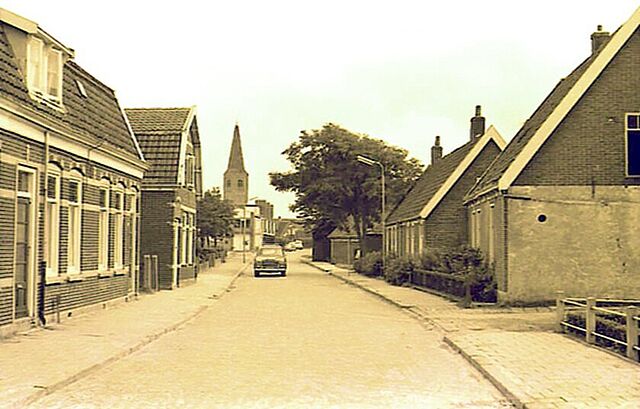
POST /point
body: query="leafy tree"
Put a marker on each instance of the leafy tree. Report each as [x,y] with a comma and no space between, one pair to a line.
[215,216]
[331,185]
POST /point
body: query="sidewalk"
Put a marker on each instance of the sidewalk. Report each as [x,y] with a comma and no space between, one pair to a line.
[40,361]
[516,349]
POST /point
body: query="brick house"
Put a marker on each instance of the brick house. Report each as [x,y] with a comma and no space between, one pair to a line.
[432,215]
[171,188]
[70,175]
[560,207]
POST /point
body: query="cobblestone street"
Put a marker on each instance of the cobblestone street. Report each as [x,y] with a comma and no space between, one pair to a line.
[307,340]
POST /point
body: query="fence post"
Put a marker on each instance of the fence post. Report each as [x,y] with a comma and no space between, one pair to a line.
[590,318]
[632,333]
[559,311]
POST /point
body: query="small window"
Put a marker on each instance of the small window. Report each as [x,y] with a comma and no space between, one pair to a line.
[633,145]
[52,187]
[240,183]
[74,191]
[81,89]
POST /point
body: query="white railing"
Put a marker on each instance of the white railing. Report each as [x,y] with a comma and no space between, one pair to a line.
[590,308]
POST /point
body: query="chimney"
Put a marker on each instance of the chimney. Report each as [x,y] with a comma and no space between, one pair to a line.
[436,151]
[598,39]
[477,124]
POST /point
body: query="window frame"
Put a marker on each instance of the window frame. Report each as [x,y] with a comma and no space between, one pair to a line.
[103,225]
[626,142]
[74,247]
[52,229]
[118,226]
[49,51]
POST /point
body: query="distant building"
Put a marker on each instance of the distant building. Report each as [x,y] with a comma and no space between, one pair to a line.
[171,187]
[268,224]
[70,176]
[560,207]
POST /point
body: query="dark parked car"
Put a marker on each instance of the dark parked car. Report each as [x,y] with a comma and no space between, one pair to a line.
[270,259]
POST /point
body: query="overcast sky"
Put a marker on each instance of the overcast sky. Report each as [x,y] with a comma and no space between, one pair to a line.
[402,71]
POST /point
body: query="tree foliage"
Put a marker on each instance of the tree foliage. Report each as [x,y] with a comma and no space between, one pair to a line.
[215,215]
[331,185]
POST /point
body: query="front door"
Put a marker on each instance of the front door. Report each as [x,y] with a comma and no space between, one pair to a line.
[24,244]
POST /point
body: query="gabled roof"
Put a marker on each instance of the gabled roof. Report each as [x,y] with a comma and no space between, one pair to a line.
[97,116]
[533,134]
[439,178]
[159,132]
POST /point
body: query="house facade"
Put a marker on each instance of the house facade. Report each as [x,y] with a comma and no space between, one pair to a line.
[171,188]
[70,179]
[560,207]
[432,216]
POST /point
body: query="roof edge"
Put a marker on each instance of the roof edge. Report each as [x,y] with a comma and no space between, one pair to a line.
[602,60]
[491,134]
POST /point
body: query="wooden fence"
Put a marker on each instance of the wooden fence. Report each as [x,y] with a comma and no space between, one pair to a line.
[596,316]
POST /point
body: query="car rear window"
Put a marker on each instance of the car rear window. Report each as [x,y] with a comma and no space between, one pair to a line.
[270,252]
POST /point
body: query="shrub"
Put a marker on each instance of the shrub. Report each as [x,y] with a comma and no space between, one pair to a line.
[370,264]
[466,262]
[430,260]
[397,270]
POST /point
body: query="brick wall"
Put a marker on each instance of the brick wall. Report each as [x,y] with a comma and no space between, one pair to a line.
[589,145]
[89,291]
[446,227]
[156,233]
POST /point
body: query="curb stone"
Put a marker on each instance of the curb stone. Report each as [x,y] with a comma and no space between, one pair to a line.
[507,394]
[47,390]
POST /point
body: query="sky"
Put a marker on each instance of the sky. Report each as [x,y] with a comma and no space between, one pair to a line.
[401,71]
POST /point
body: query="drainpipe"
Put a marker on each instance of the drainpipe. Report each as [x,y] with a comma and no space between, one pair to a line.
[45,241]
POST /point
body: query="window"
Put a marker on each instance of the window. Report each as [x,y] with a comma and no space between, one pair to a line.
[133,208]
[228,182]
[53,223]
[118,229]
[190,230]
[240,183]
[54,74]
[35,65]
[75,221]
[633,145]
[183,245]
[188,177]
[103,227]
[44,70]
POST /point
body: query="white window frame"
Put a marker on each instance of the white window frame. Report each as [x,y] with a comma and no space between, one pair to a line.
[183,238]
[626,141]
[35,67]
[103,226]
[58,73]
[133,203]
[118,231]
[52,229]
[74,238]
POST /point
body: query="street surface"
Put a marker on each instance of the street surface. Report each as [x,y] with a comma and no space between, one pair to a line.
[307,340]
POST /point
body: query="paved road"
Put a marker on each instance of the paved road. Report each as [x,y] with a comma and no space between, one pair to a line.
[306,340]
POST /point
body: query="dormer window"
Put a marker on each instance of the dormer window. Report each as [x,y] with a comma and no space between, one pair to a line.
[44,70]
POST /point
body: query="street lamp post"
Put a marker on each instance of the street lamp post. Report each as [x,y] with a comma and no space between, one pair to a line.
[370,162]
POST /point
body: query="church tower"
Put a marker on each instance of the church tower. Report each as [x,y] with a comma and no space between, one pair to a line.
[236,178]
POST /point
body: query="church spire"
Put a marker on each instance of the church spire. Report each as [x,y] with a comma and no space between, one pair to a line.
[236,160]
[236,178]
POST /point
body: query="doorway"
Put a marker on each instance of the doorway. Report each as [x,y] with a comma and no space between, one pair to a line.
[24,267]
